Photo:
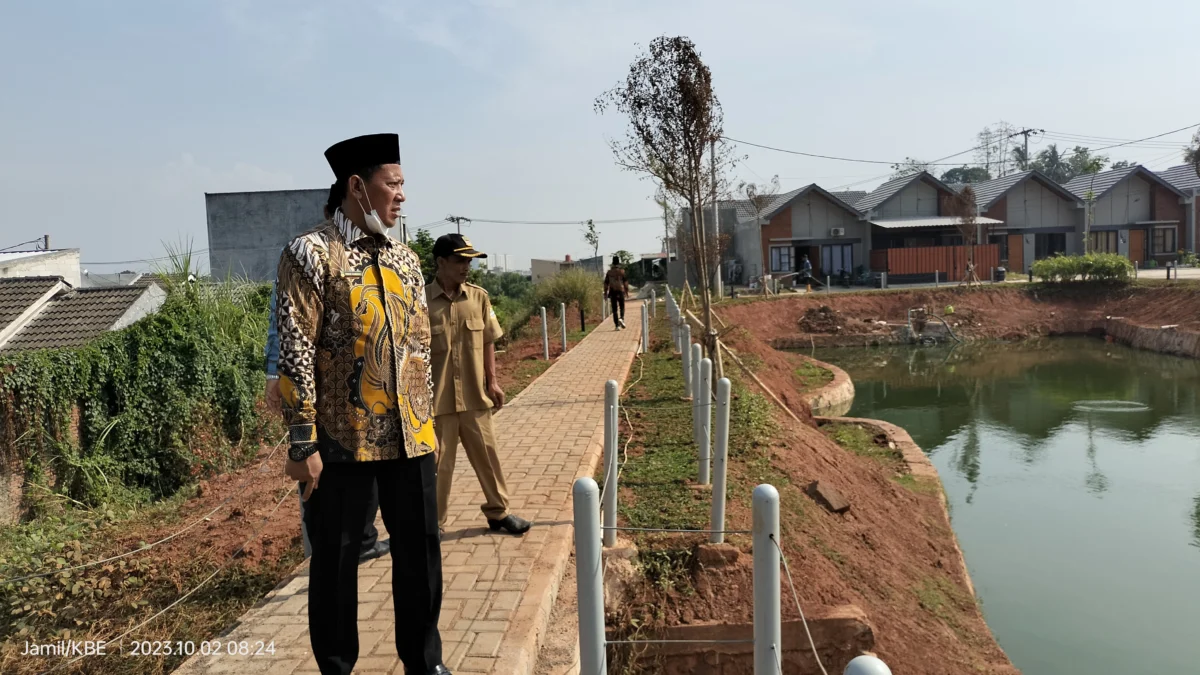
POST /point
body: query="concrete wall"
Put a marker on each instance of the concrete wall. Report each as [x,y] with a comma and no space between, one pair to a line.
[543,269]
[63,263]
[1127,202]
[1032,205]
[248,230]
[747,249]
[918,199]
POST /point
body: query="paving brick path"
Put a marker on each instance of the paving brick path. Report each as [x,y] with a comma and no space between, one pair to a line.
[499,590]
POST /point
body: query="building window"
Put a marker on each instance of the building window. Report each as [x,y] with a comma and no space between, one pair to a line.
[1102,242]
[781,258]
[1001,242]
[1163,241]
[1047,245]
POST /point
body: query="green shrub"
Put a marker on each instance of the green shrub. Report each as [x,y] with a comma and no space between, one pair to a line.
[1102,267]
[576,288]
[158,403]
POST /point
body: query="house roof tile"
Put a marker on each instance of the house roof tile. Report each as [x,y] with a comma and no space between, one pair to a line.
[891,188]
[1183,177]
[1100,183]
[18,293]
[987,192]
[75,318]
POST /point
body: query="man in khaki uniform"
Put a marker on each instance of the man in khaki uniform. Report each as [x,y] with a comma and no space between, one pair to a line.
[465,390]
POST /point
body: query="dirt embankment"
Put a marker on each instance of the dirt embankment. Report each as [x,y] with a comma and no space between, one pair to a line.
[1010,313]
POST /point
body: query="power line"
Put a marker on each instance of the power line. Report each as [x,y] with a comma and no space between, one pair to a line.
[563,222]
[850,159]
[1168,133]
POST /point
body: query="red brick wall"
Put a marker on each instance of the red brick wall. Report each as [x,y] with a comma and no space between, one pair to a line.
[779,227]
[1164,205]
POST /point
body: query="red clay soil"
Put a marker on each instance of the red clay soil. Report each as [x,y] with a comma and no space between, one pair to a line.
[1007,312]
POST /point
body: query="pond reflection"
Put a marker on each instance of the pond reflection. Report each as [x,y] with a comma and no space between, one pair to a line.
[1072,467]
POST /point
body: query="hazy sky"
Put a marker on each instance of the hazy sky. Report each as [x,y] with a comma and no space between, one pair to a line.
[118,116]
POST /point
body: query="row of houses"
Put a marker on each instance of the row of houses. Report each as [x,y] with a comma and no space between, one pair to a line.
[905,227]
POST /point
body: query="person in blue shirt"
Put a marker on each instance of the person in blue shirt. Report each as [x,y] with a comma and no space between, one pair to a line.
[372,547]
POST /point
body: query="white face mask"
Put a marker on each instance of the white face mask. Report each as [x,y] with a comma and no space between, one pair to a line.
[372,221]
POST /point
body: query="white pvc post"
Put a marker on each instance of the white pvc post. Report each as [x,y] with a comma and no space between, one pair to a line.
[768,628]
[610,463]
[589,580]
[686,350]
[936,280]
[719,463]
[653,303]
[696,397]
[828,284]
[545,337]
[883,279]
[704,407]
[562,314]
[645,328]
[866,665]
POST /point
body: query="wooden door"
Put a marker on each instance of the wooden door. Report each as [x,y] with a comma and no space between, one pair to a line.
[1137,246]
[1016,254]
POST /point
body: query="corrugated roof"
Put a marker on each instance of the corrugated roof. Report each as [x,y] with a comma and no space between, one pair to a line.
[18,293]
[938,221]
[75,318]
[1183,177]
[987,192]
[889,189]
[1101,183]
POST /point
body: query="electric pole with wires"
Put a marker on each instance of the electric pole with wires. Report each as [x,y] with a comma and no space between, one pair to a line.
[458,220]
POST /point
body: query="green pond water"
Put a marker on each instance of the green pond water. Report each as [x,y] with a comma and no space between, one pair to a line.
[1072,469]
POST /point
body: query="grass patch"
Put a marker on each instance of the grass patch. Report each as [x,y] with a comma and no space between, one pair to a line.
[860,441]
[921,486]
[811,376]
[833,556]
[941,598]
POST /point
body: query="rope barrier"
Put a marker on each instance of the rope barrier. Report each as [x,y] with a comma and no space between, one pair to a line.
[254,535]
[234,493]
[663,529]
[679,642]
[796,597]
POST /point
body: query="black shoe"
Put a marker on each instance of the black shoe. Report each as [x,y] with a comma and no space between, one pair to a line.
[437,670]
[380,549]
[510,523]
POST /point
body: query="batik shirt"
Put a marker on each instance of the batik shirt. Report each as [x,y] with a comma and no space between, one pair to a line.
[354,367]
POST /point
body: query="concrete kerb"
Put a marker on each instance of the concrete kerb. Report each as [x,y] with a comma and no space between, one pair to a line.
[518,653]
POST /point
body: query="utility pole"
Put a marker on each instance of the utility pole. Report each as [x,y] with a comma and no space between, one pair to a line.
[1025,132]
[458,220]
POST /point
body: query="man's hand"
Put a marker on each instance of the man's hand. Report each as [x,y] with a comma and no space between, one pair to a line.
[307,472]
[496,394]
[272,395]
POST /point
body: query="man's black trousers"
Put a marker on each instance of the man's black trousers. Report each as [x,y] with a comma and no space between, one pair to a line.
[334,518]
[370,534]
[618,305]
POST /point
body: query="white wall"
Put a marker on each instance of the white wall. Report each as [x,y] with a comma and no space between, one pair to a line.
[813,215]
[1031,204]
[918,199]
[63,264]
[1127,202]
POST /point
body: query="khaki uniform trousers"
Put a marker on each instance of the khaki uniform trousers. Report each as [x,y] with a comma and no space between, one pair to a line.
[474,429]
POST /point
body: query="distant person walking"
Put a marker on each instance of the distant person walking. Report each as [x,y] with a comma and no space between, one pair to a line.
[616,287]
[465,389]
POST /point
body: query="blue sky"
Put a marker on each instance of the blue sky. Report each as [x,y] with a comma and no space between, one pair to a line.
[118,116]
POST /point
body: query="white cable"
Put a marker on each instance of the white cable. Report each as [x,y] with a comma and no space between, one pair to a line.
[189,594]
[798,609]
[234,493]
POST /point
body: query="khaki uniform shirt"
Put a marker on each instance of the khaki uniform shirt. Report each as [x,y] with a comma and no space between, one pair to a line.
[354,367]
[459,331]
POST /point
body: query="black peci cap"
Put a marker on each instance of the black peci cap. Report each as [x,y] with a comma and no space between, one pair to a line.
[455,244]
[361,152]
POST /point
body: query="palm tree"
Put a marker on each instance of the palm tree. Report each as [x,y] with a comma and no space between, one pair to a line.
[1053,163]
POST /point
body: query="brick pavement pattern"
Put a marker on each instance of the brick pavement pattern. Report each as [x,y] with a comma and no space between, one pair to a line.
[499,589]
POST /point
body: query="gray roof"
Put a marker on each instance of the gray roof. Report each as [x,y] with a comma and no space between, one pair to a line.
[889,189]
[1183,177]
[850,197]
[745,209]
[1101,183]
[75,318]
[784,200]
[989,191]
[18,293]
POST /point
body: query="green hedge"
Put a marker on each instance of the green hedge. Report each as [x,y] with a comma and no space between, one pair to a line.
[158,403]
[1103,267]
